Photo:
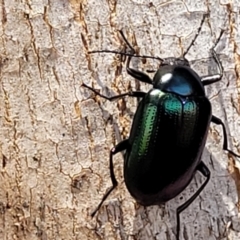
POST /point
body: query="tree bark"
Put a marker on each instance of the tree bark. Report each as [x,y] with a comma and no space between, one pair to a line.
[56,135]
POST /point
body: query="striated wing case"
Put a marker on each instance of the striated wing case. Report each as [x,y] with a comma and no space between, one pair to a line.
[167,139]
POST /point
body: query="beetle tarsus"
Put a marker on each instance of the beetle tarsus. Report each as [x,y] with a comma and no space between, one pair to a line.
[217,77]
[206,173]
[196,35]
[123,145]
[127,42]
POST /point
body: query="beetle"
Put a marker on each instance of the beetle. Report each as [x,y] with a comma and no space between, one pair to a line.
[168,133]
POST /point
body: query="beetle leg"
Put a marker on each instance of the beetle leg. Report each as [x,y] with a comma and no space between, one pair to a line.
[133,72]
[206,173]
[218,121]
[120,147]
[142,77]
[213,78]
[137,94]
[217,77]
[127,42]
[196,35]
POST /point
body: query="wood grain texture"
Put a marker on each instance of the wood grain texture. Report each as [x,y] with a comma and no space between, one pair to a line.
[56,136]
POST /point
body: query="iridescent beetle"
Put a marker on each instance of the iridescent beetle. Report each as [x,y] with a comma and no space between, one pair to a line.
[169,131]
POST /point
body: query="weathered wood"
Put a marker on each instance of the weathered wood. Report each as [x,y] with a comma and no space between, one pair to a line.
[56,135]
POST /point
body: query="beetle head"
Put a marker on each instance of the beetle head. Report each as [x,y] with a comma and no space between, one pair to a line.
[175,61]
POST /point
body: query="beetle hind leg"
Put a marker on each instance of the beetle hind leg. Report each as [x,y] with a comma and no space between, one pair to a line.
[120,147]
[206,173]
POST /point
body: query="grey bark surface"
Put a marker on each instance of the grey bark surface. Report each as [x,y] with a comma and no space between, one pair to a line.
[55,136]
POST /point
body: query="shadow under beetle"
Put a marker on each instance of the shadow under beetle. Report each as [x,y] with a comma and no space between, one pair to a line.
[168,133]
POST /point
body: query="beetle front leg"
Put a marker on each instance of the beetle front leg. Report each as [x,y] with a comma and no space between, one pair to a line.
[133,72]
[142,77]
[218,121]
[217,77]
[206,173]
[120,147]
[213,78]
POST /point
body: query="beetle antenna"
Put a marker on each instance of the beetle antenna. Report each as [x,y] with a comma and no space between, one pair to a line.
[132,54]
[125,54]
[196,35]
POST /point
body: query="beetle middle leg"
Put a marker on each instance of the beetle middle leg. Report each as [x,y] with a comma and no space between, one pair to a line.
[202,168]
[120,147]
[218,121]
